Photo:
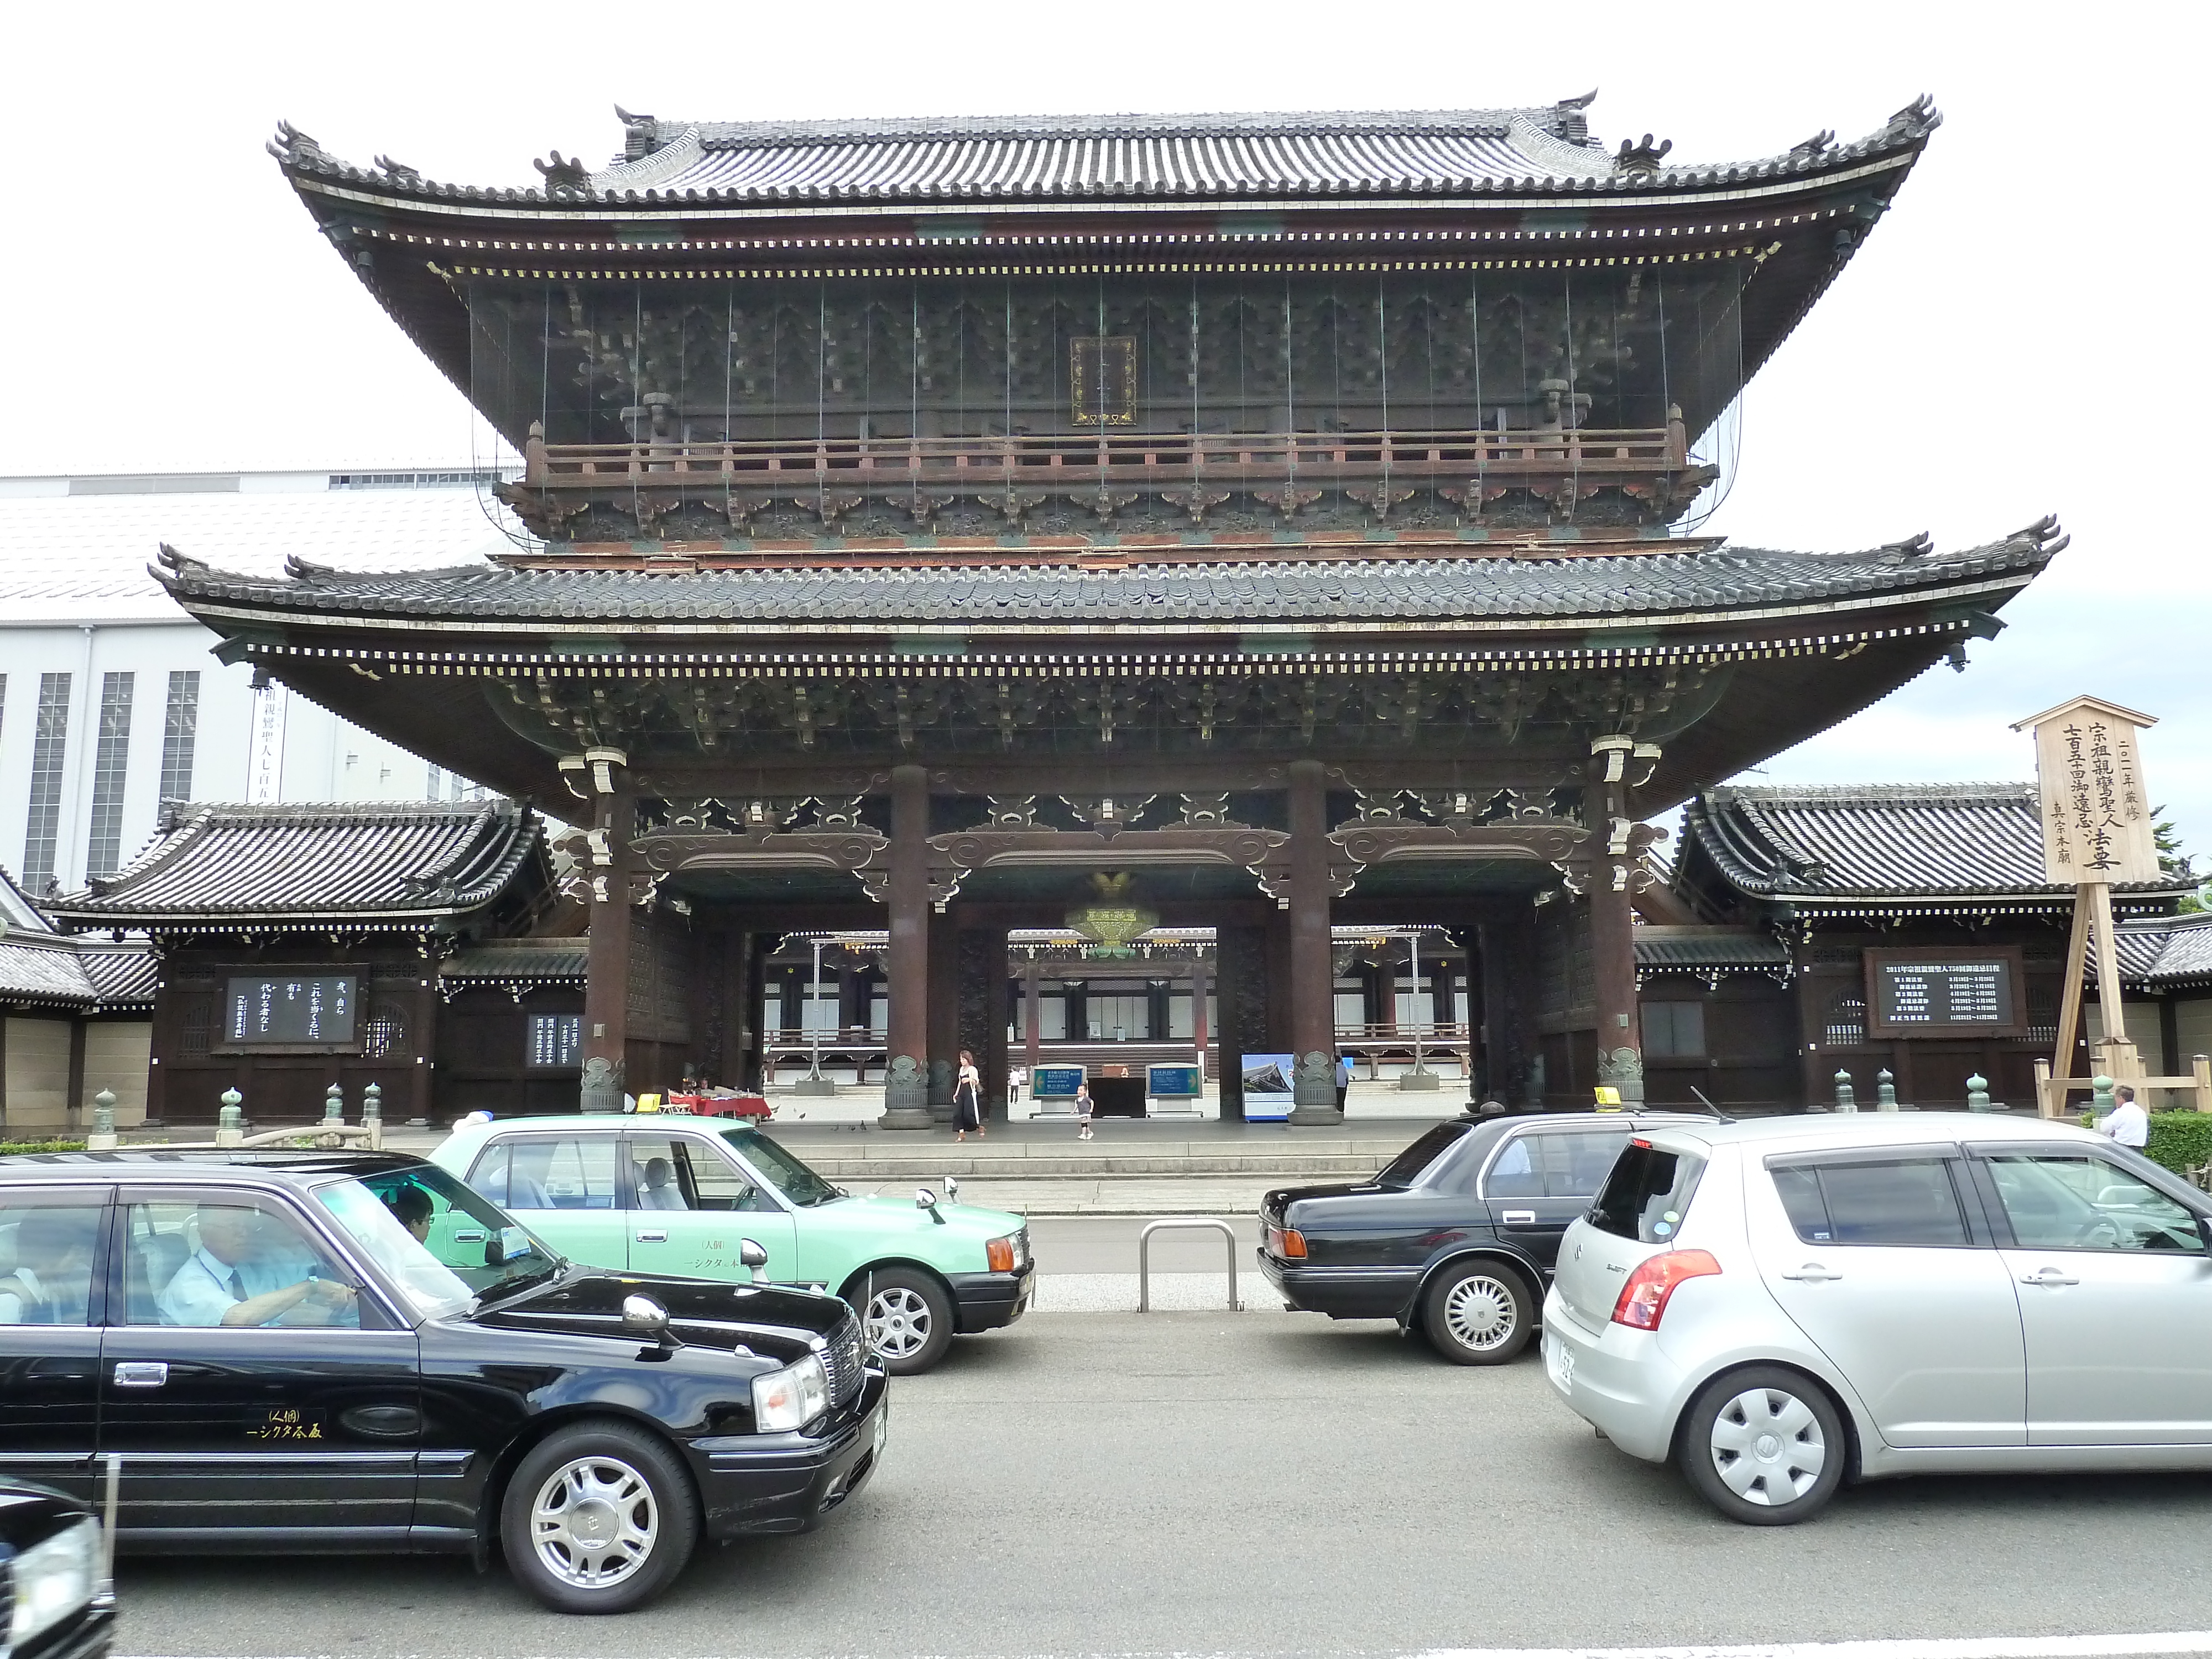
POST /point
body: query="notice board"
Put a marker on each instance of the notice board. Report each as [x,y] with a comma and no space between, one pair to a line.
[1951,991]
[290,1011]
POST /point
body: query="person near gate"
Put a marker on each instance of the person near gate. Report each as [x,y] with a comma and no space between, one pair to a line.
[1082,1110]
[968,1098]
[1343,1079]
[2127,1122]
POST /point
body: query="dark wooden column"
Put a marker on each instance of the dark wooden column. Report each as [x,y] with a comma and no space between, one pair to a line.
[1198,1021]
[943,1036]
[984,1012]
[1240,973]
[1313,978]
[604,777]
[1613,868]
[906,1086]
[424,1080]
[1031,1018]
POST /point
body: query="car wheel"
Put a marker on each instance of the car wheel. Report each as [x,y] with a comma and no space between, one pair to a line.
[598,1518]
[1764,1446]
[906,1318]
[1477,1314]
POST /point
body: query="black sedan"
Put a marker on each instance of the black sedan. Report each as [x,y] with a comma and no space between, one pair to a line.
[52,1563]
[354,1351]
[1457,1237]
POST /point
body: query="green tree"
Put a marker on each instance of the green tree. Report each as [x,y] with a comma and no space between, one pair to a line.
[2177,864]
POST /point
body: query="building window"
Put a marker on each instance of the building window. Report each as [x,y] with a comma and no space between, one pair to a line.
[180,727]
[111,767]
[196,1029]
[1674,1030]
[385,1035]
[2042,1014]
[1845,1026]
[49,749]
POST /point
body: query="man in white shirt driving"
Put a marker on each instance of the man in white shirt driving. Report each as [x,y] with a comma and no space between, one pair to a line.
[211,1287]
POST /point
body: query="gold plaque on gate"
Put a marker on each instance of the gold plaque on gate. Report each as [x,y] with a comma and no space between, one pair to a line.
[1102,379]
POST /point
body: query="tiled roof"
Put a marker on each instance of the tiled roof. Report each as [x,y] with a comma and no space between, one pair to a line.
[40,969]
[1318,155]
[73,558]
[1877,840]
[123,976]
[540,961]
[1702,948]
[2172,953]
[377,863]
[1720,580]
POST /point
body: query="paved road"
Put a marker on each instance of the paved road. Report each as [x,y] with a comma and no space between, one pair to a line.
[1267,1484]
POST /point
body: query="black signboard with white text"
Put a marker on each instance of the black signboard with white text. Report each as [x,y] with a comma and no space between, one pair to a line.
[1944,993]
[291,1010]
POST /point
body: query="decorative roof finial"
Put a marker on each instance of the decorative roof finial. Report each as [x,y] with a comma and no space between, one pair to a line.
[1918,117]
[290,145]
[1816,145]
[398,172]
[564,177]
[1642,159]
[642,133]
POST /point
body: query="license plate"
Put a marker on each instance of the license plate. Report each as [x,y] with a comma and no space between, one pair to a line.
[882,1428]
[1562,1361]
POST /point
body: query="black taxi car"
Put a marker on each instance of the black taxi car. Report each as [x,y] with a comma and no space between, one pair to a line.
[1457,1236]
[323,1350]
[54,1593]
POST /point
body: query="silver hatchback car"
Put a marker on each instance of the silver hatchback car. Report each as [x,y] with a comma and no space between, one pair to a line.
[1782,1305]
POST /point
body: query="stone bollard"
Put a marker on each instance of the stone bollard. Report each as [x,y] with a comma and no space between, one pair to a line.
[1846,1099]
[230,1122]
[102,1138]
[2101,1104]
[1977,1094]
[1885,1092]
[372,1115]
[333,1107]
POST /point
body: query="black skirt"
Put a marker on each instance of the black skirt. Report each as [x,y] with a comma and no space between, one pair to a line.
[967,1107]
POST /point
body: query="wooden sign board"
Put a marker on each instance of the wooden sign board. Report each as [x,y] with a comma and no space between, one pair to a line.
[1950,992]
[2095,807]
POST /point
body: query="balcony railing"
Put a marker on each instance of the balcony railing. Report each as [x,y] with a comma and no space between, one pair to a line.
[961,464]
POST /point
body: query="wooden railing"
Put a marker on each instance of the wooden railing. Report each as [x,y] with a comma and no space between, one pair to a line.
[970,463]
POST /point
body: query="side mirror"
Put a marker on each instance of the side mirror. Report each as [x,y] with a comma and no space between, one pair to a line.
[646,1319]
[752,1255]
[925,1200]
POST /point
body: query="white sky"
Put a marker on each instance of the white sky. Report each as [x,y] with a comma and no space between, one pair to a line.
[2014,340]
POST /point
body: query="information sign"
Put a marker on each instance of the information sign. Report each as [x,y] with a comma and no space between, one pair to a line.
[1049,1081]
[1267,1080]
[1945,993]
[286,1011]
[556,1040]
[1174,1082]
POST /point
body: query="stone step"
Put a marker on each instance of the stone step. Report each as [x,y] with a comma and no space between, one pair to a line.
[935,1166]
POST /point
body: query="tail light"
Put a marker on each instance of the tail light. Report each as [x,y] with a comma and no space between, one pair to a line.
[1643,1302]
[1287,1243]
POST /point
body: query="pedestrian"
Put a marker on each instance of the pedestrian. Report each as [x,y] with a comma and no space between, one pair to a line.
[1343,1079]
[968,1098]
[1082,1110]
[2127,1122]
[1017,1078]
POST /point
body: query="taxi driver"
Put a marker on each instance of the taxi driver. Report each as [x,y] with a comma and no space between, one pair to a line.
[220,1283]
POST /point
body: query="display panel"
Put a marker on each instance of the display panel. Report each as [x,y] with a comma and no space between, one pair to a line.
[1174,1082]
[1055,1080]
[290,1012]
[556,1040]
[1944,993]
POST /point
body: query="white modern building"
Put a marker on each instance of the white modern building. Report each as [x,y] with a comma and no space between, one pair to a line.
[110,700]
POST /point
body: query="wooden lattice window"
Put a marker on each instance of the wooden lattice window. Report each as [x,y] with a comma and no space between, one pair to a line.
[1845,1026]
[196,1028]
[383,1035]
[2042,1014]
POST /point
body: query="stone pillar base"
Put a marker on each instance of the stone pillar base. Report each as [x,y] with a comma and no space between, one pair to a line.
[816,1086]
[600,1089]
[1419,1082]
[1623,1069]
[1313,1092]
[906,1096]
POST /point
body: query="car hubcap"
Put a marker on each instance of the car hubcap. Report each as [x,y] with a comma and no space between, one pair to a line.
[898,1323]
[594,1522]
[1768,1447]
[1479,1313]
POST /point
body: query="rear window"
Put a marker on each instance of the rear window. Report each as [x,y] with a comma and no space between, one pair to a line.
[1647,1194]
[1405,1169]
[1904,1200]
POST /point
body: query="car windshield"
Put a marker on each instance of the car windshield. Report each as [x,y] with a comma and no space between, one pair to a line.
[1405,1169]
[798,1184]
[447,1247]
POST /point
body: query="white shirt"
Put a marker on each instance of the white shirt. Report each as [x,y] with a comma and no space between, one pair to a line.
[2128,1123]
[200,1294]
[12,1306]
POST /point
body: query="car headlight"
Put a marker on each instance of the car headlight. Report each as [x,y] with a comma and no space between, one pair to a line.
[53,1580]
[791,1397]
[1009,1254]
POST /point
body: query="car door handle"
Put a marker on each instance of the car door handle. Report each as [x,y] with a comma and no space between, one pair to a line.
[657,1235]
[141,1373]
[2050,1276]
[1519,1218]
[1812,1273]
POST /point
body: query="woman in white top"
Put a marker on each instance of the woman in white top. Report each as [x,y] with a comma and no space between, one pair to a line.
[968,1098]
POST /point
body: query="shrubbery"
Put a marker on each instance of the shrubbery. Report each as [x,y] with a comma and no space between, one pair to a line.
[2180,1140]
[8,1146]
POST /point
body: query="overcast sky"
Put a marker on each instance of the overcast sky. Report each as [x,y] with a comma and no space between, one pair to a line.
[2017,338]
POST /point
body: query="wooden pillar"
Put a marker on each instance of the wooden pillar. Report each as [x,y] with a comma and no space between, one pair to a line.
[423,1084]
[1032,1017]
[73,1117]
[606,973]
[1312,976]
[906,1086]
[2116,1055]
[1240,974]
[984,1030]
[1198,1023]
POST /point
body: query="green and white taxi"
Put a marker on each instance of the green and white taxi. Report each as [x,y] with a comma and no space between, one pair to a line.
[669,1193]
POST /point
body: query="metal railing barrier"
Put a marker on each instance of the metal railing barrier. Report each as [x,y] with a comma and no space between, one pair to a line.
[1200,1223]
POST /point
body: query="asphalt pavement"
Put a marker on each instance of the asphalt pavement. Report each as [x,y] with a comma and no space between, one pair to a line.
[1266,1484]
